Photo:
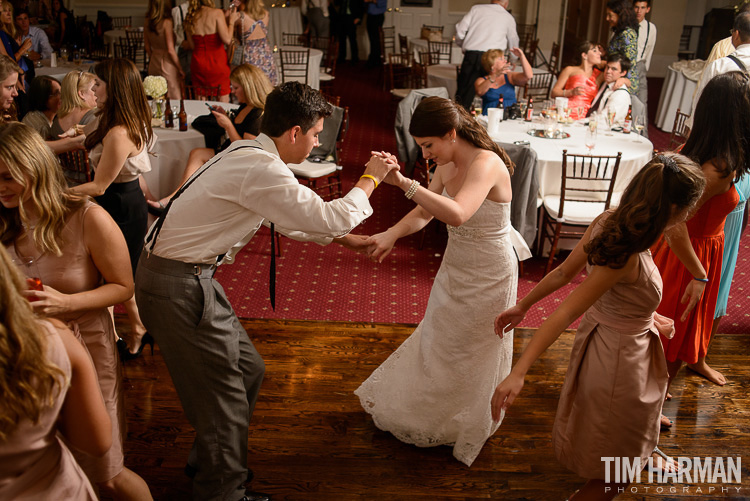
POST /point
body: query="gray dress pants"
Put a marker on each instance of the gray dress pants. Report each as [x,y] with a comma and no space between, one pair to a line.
[643,87]
[215,368]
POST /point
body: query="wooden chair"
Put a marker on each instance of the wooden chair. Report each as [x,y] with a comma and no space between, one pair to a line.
[525,30]
[99,53]
[295,39]
[586,185]
[387,42]
[429,58]
[135,49]
[202,93]
[524,43]
[679,131]
[419,74]
[122,22]
[330,48]
[554,59]
[294,65]
[399,74]
[403,44]
[324,177]
[334,100]
[75,167]
[443,50]
[539,86]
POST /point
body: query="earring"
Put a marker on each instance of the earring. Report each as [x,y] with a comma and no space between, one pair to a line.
[454,139]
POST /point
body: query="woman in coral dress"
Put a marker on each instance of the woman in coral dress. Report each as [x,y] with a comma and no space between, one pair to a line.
[691,257]
[207,31]
[54,393]
[81,257]
[158,40]
[616,380]
[434,389]
[580,83]
[254,28]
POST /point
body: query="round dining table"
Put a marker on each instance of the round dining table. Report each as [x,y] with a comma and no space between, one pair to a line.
[172,149]
[63,68]
[677,91]
[636,151]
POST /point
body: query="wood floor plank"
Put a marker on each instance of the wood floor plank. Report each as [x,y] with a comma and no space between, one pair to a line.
[311,440]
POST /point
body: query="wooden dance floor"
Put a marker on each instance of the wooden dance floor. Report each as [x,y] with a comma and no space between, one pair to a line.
[311,440]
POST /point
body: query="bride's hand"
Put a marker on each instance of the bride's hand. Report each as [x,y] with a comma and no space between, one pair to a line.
[509,319]
[380,246]
[505,393]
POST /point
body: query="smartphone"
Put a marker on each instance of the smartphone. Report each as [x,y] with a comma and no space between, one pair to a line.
[209,107]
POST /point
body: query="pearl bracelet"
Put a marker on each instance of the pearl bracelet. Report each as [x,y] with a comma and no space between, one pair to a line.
[412,189]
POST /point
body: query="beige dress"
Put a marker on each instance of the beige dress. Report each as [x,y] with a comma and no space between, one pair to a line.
[34,462]
[74,272]
[617,378]
[161,64]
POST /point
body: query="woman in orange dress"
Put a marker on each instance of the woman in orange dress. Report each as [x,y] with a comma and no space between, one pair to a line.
[580,83]
[689,257]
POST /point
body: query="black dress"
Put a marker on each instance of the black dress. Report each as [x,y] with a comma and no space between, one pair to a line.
[250,125]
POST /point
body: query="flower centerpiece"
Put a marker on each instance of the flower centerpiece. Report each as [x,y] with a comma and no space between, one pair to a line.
[156,89]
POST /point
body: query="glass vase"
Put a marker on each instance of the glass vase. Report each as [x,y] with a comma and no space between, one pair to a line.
[158,108]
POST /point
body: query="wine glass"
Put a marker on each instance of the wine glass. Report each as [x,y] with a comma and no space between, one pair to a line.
[33,277]
[523,105]
[590,140]
[64,54]
[639,123]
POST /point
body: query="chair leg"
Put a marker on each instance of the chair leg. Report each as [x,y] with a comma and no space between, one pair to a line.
[553,249]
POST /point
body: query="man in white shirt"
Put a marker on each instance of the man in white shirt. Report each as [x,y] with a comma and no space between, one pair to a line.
[646,42]
[484,27]
[40,47]
[739,60]
[616,100]
[215,368]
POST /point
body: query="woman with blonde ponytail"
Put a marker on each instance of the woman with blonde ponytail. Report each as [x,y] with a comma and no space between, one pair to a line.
[616,380]
[47,387]
[435,388]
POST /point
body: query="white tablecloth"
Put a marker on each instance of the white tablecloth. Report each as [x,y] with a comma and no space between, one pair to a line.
[313,65]
[677,91]
[443,75]
[636,151]
[170,154]
[62,69]
[283,20]
[417,45]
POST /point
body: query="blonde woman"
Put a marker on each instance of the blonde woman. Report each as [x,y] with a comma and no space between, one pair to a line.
[49,386]
[77,106]
[82,260]
[250,87]
[254,27]
[9,72]
[158,41]
[207,32]
[9,46]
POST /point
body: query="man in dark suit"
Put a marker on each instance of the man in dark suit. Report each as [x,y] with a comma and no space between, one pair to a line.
[349,16]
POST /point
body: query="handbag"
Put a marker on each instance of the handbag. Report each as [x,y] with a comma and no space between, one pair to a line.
[213,132]
[431,35]
[236,51]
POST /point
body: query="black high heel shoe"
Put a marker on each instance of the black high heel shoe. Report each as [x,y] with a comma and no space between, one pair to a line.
[125,353]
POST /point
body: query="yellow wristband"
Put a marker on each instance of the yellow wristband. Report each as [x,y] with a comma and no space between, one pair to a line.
[370,177]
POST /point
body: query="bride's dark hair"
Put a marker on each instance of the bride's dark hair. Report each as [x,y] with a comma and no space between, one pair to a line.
[668,184]
[436,116]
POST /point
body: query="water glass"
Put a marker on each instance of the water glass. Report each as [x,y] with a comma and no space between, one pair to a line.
[590,140]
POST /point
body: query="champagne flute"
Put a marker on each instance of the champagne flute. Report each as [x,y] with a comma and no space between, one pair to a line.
[523,105]
[590,140]
[638,124]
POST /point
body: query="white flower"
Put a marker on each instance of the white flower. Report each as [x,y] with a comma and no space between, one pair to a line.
[155,86]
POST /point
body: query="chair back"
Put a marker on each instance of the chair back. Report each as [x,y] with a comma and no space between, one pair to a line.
[429,58]
[295,39]
[419,75]
[387,41]
[554,58]
[399,71]
[679,134]
[334,100]
[134,49]
[525,30]
[75,167]
[294,65]
[524,43]
[443,50]
[330,48]
[588,179]
[122,22]
[539,86]
[403,44]
[202,93]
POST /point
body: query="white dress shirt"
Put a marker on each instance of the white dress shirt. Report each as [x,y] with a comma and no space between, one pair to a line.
[721,65]
[179,29]
[646,42]
[616,100]
[485,27]
[224,208]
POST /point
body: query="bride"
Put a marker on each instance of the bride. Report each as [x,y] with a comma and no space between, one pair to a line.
[435,388]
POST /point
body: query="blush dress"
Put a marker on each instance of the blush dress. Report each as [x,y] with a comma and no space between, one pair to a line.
[590,90]
[75,272]
[616,380]
[161,64]
[35,464]
[435,389]
[706,230]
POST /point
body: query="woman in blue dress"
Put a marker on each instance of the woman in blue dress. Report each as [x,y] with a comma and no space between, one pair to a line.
[500,81]
[621,17]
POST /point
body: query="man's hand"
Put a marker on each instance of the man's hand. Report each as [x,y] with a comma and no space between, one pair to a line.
[357,243]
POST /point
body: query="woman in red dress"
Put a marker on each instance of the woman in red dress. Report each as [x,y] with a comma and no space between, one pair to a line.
[689,256]
[581,83]
[208,33]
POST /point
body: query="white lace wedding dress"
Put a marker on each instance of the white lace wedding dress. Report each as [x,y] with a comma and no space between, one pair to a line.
[435,389]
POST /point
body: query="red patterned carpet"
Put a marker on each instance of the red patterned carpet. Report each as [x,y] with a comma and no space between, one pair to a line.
[332,283]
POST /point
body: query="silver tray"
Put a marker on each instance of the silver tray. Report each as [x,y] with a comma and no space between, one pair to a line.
[558,134]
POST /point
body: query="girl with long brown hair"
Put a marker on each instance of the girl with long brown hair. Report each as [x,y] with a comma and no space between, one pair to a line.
[434,389]
[81,258]
[616,380]
[158,40]
[118,152]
